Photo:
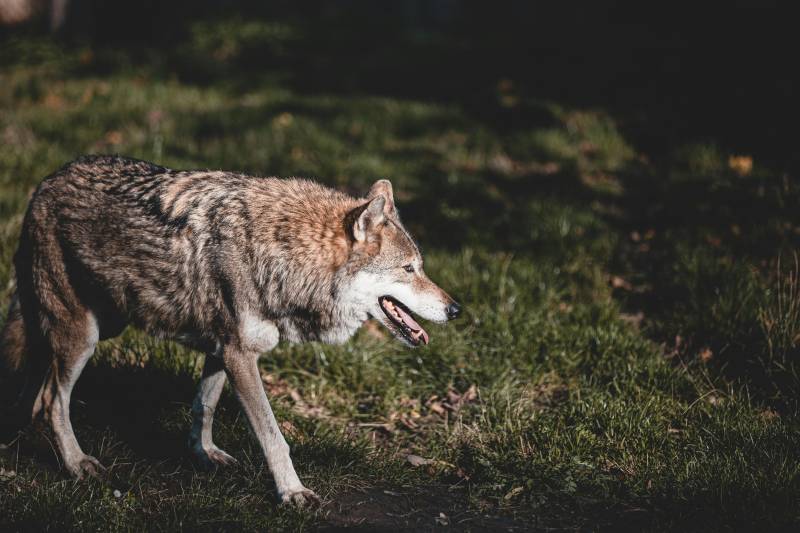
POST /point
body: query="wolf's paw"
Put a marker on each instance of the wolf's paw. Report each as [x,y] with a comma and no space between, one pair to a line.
[86,466]
[212,457]
[301,497]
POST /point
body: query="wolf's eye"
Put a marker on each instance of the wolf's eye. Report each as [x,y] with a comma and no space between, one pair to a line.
[409,268]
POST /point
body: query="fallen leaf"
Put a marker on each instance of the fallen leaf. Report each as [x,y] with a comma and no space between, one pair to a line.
[416,460]
[471,394]
[706,355]
[411,403]
[275,386]
[294,394]
[289,428]
[713,399]
[437,408]
[456,400]
[621,283]
[501,164]
[408,422]
[114,137]
[741,165]
[453,397]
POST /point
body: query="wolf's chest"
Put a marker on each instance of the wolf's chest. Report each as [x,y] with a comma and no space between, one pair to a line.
[336,330]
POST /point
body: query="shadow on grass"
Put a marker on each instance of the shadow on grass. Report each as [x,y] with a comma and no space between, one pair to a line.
[142,406]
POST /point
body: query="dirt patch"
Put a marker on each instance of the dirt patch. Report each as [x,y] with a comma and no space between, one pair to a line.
[428,508]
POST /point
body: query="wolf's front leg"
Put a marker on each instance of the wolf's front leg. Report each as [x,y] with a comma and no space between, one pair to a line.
[242,369]
[203,407]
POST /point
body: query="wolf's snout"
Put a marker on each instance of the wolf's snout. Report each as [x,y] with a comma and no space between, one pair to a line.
[453,311]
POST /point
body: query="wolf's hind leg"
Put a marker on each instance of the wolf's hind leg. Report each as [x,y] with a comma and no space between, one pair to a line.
[72,345]
[205,403]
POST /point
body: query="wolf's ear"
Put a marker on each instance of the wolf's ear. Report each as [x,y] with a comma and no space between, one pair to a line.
[383,188]
[366,217]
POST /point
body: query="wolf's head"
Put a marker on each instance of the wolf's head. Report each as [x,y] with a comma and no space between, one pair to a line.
[384,270]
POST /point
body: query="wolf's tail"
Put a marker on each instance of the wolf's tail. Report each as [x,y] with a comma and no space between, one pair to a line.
[14,370]
[13,345]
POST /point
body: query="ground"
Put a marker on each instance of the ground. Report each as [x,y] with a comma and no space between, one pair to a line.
[628,356]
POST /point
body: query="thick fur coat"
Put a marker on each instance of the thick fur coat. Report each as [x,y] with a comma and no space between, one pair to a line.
[223,262]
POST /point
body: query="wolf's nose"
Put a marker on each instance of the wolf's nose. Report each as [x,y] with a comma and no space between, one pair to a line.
[453,310]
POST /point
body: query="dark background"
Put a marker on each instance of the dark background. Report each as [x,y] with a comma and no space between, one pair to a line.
[669,71]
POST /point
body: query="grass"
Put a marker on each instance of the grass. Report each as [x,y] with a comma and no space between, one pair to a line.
[624,362]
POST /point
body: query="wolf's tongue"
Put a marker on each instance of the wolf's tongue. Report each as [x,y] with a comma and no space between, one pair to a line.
[411,323]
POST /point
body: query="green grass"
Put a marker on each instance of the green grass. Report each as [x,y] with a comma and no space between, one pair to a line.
[549,405]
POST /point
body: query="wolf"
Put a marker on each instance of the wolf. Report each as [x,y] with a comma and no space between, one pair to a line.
[223,262]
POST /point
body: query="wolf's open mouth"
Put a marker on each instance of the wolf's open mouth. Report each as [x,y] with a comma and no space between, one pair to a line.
[400,316]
